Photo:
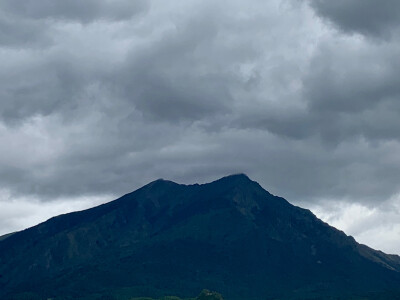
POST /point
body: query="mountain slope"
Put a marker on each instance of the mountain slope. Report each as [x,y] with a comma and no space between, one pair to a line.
[229,235]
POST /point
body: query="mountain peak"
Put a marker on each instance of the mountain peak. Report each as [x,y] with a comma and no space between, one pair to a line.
[234,180]
[240,181]
[237,176]
[161,182]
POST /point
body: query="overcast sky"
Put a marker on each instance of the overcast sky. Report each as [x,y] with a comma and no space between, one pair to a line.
[99,97]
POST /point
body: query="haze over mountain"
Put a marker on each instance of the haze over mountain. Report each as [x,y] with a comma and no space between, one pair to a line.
[165,238]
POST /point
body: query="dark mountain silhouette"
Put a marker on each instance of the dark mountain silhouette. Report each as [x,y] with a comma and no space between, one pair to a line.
[230,235]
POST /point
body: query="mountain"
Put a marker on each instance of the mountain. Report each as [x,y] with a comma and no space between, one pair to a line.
[165,238]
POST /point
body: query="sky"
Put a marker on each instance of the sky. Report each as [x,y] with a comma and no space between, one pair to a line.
[98,99]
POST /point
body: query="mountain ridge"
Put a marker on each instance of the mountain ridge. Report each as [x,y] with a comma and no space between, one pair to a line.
[230,235]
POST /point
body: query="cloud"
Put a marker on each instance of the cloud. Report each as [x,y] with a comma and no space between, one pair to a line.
[378,226]
[73,10]
[353,90]
[23,33]
[367,17]
[34,24]
[17,214]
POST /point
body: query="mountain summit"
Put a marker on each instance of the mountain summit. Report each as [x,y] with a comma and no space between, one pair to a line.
[165,238]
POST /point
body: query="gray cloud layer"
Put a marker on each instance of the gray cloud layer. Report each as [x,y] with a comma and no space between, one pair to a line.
[101,98]
[366,17]
[74,10]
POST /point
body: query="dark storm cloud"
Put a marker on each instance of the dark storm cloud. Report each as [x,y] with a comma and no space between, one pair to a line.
[154,78]
[347,92]
[157,80]
[73,10]
[107,114]
[40,87]
[356,89]
[27,24]
[363,16]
